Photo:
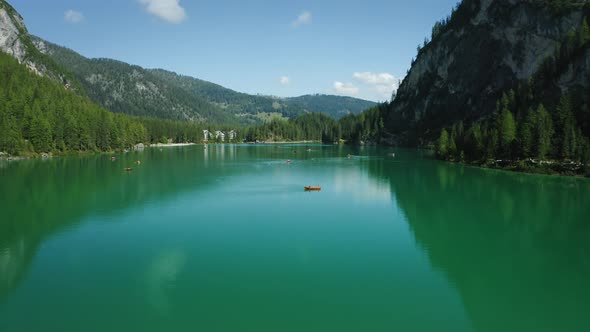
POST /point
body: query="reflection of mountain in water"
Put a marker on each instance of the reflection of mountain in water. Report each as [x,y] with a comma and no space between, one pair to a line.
[516,247]
[39,198]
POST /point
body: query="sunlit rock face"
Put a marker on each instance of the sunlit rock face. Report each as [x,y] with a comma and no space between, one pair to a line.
[11,28]
[16,41]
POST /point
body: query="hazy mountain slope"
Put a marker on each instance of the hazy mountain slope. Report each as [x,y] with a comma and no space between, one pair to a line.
[335,106]
[237,103]
[245,104]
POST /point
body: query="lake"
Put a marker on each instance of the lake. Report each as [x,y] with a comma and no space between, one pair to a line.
[224,238]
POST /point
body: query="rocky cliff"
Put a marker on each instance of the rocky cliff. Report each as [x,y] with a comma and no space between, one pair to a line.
[484,49]
[16,41]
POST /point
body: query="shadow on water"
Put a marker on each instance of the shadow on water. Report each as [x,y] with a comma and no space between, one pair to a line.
[516,247]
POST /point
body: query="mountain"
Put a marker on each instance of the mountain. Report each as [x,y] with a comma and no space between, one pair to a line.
[484,49]
[335,106]
[123,88]
[159,93]
[246,105]
[500,81]
[16,41]
[44,109]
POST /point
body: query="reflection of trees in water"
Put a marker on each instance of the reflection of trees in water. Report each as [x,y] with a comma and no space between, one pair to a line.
[15,257]
[39,198]
[517,247]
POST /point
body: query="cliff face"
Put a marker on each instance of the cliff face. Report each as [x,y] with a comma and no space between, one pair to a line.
[486,48]
[16,41]
[13,33]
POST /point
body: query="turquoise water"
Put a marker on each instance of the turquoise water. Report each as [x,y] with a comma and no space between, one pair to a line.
[224,238]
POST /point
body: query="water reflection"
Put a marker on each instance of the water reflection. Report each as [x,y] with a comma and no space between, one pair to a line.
[161,277]
[517,248]
[40,198]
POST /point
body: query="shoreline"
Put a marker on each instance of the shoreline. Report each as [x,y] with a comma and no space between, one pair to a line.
[162,145]
[514,167]
[283,142]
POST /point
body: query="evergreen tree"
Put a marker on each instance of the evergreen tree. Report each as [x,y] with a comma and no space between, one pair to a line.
[40,134]
[507,131]
[443,144]
[9,134]
[543,133]
[527,137]
[584,33]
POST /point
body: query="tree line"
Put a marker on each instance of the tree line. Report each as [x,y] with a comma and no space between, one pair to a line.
[39,115]
[366,127]
[535,121]
[513,133]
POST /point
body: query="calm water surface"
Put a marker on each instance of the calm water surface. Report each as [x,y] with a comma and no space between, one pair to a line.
[225,239]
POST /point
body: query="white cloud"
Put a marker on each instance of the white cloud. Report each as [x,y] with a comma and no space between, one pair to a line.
[303,19]
[374,78]
[284,80]
[73,16]
[345,88]
[168,10]
[381,85]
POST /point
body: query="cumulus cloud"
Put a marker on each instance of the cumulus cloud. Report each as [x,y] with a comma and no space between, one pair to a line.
[345,88]
[374,78]
[284,80]
[168,10]
[303,19]
[73,16]
[382,85]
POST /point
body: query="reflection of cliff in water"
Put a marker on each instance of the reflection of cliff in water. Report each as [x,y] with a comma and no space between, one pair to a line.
[39,198]
[516,247]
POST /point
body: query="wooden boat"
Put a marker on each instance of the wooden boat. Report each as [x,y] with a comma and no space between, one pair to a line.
[312,188]
[128,169]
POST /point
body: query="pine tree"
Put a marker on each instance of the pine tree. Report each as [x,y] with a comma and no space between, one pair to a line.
[565,127]
[443,144]
[527,136]
[9,134]
[543,133]
[507,132]
[583,33]
[40,134]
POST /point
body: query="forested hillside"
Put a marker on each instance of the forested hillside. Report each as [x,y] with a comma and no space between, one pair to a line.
[500,83]
[133,90]
[39,115]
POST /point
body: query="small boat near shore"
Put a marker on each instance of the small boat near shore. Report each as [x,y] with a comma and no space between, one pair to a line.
[312,188]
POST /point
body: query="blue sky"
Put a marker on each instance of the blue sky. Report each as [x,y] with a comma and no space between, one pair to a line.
[282,48]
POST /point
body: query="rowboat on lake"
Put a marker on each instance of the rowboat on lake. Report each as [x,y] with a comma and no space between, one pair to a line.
[312,188]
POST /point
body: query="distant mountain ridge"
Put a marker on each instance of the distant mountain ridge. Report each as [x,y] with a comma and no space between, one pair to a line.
[134,90]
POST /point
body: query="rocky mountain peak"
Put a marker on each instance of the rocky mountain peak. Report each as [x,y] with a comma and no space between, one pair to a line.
[12,28]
